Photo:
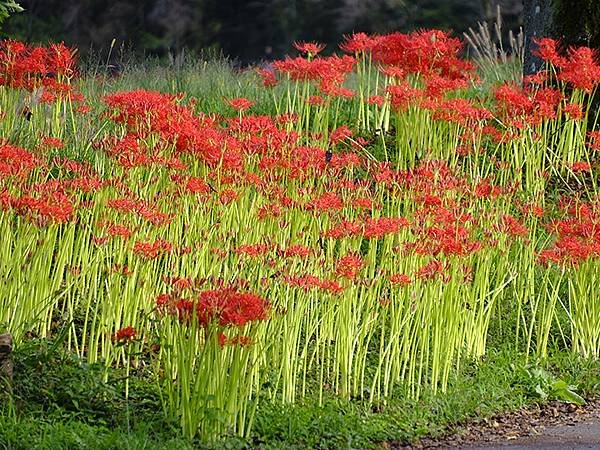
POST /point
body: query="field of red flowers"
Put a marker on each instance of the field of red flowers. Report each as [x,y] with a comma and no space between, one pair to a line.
[361,238]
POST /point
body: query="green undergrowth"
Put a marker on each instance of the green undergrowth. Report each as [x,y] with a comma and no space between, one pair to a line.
[60,402]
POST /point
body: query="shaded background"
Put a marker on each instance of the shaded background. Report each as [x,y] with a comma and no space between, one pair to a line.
[246,30]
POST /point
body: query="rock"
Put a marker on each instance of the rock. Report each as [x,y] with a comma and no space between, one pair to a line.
[6,365]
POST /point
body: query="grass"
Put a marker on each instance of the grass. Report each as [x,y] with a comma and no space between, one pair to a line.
[60,402]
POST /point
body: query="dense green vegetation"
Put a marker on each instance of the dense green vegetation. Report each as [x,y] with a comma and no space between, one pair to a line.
[62,402]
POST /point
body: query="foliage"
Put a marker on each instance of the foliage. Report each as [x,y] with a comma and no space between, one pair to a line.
[7,8]
[246,31]
[577,22]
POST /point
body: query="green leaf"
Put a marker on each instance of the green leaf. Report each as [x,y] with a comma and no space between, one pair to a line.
[562,391]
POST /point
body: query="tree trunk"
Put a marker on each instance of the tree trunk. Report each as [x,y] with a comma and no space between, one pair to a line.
[538,18]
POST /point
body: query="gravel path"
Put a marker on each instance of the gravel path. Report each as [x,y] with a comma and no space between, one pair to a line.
[578,436]
[552,426]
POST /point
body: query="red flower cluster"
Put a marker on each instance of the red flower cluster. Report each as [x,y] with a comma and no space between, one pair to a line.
[27,67]
[426,52]
[141,208]
[308,282]
[16,161]
[577,236]
[309,49]
[349,266]
[240,104]
[225,307]
[151,250]
[579,68]
[124,335]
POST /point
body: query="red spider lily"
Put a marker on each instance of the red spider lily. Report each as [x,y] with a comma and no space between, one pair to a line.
[121,269]
[151,250]
[252,250]
[349,266]
[268,77]
[16,161]
[241,340]
[99,240]
[331,286]
[537,79]
[400,279]
[574,111]
[379,227]
[433,269]
[344,229]
[295,251]
[332,69]
[424,52]
[513,101]
[581,166]
[229,307]
[403,95]
[532,210]
[364,203]
[546,103]
[328,201]
[581,70]
[240,104]
[340,134]
[570,251]
[547,50]
[266,211]
[358,43]
[307,282]
[511,226]
[316,100]
[227,196]
[458,110]
[52,207]
[437,86]
[28,67]
[62,59]
[428,200]
[192,185]
[378,100]
[125,335]
[127,151]
[83,109]
[594,140]
[252,179]
[73,166]
[180,284]
[141,208]
[578,236]
[52,142]
[54,90]
[133,106]
[114,229]
[497,136]
[329,88]
[309,48]
[393,72]
[485,189]
[449,239]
